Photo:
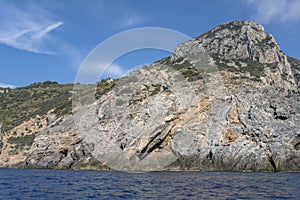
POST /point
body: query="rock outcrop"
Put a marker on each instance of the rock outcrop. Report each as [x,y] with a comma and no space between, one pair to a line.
[227,100]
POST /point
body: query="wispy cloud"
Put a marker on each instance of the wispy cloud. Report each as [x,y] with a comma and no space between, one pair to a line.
[4,85]
[283,11]
[114,70]
[128,18]
[27,28]
[132,20]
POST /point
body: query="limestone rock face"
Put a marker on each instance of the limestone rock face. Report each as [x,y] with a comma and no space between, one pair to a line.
[227,100]
[240,42]
[60,147]
[238,39]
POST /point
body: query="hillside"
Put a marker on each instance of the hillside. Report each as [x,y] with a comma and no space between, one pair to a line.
[226,100]
[26,111]
[21,104]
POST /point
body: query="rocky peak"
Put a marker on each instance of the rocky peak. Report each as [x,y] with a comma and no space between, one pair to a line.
[243,43]
[236,40]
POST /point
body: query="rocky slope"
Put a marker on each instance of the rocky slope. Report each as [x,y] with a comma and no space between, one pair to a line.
[226,100]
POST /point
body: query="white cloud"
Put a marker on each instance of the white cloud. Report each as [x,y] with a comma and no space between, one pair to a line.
[129,18]
[283,11]
[44,31]
[26,28]
[132,20]
[103,70]
[92,71]
[115,71]
[3,85]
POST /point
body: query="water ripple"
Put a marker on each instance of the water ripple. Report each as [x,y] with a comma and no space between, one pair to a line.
[67,184]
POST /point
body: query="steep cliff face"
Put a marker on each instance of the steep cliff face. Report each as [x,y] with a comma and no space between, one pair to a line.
[227,100]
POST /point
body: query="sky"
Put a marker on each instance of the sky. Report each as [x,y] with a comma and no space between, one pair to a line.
[49,40]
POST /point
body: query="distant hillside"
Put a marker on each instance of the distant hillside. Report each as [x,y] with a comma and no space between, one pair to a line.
[21,104]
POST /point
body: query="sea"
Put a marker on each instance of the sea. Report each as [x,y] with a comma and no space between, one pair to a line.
[71,184]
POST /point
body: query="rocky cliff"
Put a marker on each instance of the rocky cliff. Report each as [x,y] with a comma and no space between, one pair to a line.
[226,100]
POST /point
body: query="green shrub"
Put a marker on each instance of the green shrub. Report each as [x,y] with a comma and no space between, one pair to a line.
[22,141]
[104,86]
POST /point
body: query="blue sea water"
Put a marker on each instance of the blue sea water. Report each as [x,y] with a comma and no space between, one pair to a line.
[68,184]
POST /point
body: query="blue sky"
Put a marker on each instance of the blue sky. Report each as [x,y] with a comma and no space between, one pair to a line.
[48,40]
